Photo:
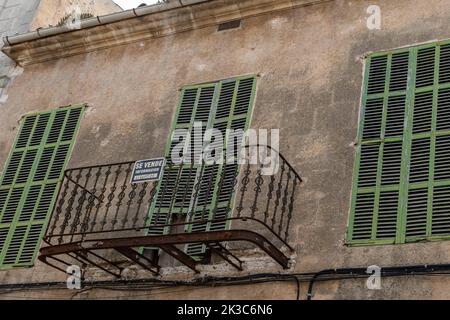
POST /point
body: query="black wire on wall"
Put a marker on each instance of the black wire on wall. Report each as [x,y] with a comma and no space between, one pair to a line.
[312,278]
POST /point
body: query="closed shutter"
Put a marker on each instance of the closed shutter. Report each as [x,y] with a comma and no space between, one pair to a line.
[30,182]
[380,150]
[176,188]
[194,190]
[402,176]
[233,111]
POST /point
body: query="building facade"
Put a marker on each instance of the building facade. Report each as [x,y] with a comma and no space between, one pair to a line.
[357,89]
[18,17]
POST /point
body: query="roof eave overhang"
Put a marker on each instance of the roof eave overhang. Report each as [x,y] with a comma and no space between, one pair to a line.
[136,25]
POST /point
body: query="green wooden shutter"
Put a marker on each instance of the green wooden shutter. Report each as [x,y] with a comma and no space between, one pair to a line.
[221,105]
[402,176]
[174,198]
[233,111]
[30,182]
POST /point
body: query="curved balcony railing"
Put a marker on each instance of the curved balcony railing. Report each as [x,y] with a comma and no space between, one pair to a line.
[193,212]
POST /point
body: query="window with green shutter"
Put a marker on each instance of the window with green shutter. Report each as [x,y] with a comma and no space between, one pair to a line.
[30,181]
[225,104]
[401,189]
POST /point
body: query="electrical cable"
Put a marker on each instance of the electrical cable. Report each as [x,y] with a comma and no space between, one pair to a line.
[311,277]
[386,272]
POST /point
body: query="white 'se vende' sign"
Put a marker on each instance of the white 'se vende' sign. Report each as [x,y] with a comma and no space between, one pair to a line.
[147,170]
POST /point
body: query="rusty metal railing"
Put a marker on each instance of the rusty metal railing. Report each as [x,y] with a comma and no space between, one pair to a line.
[99,202]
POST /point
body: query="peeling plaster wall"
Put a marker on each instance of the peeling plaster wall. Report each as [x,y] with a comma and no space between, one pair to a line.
[309,61]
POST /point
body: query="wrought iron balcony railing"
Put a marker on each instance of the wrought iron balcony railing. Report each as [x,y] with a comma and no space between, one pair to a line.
[103,220]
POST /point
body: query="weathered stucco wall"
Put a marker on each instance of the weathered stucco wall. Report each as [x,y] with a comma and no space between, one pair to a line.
[310,67]
[15,17]
[50,12]
[21,16]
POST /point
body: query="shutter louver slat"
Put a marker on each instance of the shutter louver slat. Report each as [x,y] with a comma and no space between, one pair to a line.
[395,116]
[44,164]
[224,195]
[392,160]
[237,136]
[226,191]
[3,197]
[222,213]
[11,207]
[11,170]
[423,106]
[58,163]
[372,119]
[57,125]
[225,100]
[30,202]
[368,167]
[196,249]
[204,104]
[167,197]
[14,245]
[204,200]
[25,133]
[222,128]
[71,125]
[377,75]
[197,144]
[443,110]
[40,129]
[187,106]
[442,158]
[205,194]
[416,219]
[186,186]
[45,202]
[238,124]
[180,140]
[420,160]
[363,216]
[168,185]
[387,215]
[28,161]
[441,210]
[244,95]
[31,243]
[399,71]
[425,67]
[3,234]
[444,64]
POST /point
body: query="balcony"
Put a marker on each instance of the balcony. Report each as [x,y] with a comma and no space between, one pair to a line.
[195,215]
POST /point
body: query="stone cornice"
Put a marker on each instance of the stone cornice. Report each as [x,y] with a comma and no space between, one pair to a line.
[153,25]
